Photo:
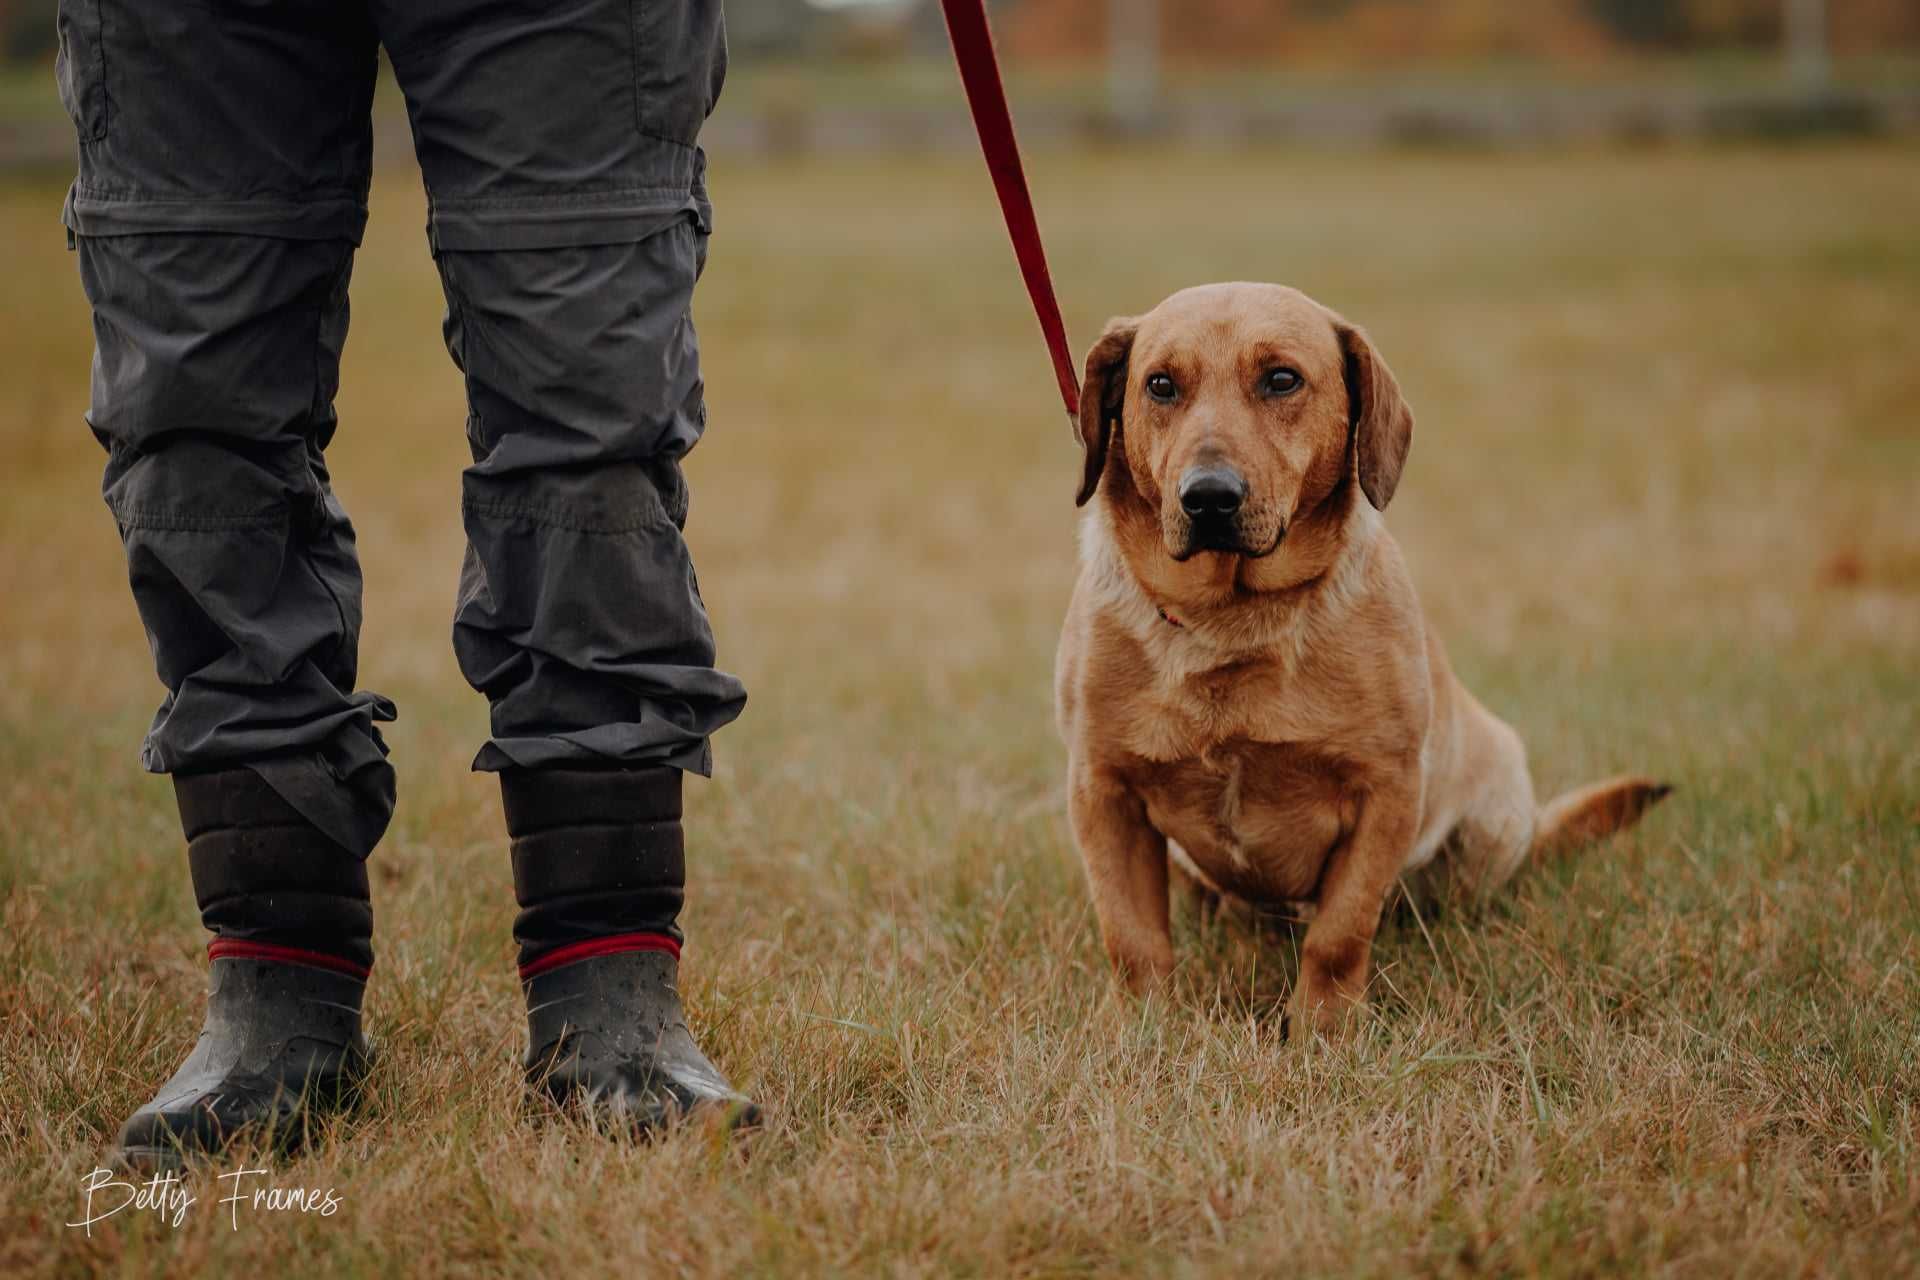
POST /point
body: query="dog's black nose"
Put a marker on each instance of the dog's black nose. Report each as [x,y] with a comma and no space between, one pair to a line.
[1212,492]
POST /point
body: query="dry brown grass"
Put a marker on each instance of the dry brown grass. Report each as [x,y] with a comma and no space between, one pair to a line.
[1662,396]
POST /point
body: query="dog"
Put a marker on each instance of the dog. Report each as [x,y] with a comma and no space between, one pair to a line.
[1245,682]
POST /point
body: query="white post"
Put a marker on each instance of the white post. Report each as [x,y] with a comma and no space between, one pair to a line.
[1133,60]
[1807,60]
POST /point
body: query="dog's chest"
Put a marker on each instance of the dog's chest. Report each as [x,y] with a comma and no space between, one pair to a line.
[1258,819]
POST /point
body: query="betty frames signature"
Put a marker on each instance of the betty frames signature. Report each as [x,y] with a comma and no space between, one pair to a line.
[168,1197]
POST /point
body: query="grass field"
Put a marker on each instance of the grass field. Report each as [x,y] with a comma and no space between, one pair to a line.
[1664,503]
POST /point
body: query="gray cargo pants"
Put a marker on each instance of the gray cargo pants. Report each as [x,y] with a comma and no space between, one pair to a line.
[225,154]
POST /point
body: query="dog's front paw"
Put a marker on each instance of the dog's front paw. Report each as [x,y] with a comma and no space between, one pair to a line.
[1332,984]
[1321,1010]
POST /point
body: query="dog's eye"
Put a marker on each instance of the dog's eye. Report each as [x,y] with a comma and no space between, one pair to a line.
[1161,387]
[1281,382]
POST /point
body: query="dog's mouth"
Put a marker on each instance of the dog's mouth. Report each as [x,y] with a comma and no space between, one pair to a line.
[1230,537]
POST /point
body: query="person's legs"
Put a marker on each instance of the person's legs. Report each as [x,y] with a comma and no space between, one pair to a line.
[569,218]
[224,157]
[215,361]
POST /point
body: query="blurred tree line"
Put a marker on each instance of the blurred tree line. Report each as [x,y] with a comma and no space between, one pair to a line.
[1337,30]
[1251,29]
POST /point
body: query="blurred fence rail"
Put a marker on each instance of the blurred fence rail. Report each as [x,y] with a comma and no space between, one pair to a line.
[1488,113]
[914,104]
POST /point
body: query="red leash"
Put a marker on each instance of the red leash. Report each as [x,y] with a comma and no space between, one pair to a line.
[987,97]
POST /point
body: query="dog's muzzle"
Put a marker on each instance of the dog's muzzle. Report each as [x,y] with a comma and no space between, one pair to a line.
[1213,504]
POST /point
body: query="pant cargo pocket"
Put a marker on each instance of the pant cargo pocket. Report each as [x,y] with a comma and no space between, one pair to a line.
[80,67]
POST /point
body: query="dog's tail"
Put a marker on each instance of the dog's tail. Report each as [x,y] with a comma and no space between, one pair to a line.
[1593,812]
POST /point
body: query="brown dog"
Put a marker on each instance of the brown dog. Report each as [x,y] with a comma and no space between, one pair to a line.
[1245,681]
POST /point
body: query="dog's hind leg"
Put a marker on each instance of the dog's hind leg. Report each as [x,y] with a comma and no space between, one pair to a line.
[1495,831]
[1501,828]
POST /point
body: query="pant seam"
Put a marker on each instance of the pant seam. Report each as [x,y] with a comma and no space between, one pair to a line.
[553,519]
[106,91]
[136,196]
[137,517]
[345,634]
[564,199]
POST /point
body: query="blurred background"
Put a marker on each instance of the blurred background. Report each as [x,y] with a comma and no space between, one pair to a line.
[873,73]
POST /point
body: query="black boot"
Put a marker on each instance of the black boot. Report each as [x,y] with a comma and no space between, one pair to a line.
[599,869]
[609,1031]
[279,1038]
[288,968]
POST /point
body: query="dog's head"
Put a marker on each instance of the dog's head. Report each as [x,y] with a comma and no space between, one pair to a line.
[1240,409]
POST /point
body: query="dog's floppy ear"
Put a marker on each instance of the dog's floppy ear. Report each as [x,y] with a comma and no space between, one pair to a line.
[1378,415]
[1103,393]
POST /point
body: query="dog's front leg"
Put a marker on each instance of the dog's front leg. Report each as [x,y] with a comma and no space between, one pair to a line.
[1338,948]
[1126,862]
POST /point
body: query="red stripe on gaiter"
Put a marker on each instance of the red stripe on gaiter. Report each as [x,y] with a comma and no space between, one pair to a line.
[235,949]
[612,945]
